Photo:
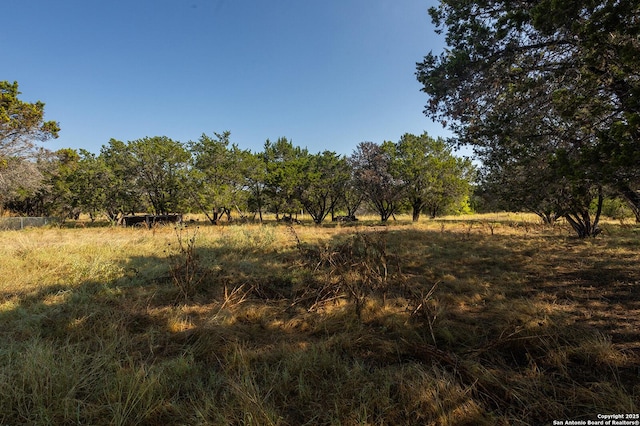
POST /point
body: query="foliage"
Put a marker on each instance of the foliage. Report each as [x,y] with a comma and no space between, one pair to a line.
[374,176]
[352,197]
[254,171]
[434,179]
[615,208]
[21,123]
[158,169]
[284,164]
[90,184]
[62,198]
[521,185]
[160,175]
[216,181]
[534,83]
[123,194]
[20,180]
[21,126]
[322,185]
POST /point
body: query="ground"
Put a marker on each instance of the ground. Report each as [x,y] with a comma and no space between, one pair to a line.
[492,319]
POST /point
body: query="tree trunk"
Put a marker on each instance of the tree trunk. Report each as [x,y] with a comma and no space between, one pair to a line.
[581,221]
[548,218]
[633,198]
[216,216]
[417,206]
[202,208]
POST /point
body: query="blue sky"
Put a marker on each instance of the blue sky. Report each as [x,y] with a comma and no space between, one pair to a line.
[325,74]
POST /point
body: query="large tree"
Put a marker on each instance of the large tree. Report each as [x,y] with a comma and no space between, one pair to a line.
[352,197]
[20,179]
[90,184]
[563,74]
[60,192]
[26,184]
[22,125]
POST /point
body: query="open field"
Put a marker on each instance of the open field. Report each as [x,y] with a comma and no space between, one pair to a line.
[489,319]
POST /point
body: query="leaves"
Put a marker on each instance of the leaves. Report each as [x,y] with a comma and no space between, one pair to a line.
[21,123]
[323,184]
[433,177]
[374,176]
[525,81]
[21,126]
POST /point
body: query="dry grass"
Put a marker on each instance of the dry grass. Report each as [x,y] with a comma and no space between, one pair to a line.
[490,319]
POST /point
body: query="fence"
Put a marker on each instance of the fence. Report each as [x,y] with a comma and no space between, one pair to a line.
[17,223]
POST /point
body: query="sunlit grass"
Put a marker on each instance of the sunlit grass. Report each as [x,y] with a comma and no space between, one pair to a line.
[482,319]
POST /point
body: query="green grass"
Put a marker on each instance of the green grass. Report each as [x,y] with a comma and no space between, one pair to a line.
[489,319]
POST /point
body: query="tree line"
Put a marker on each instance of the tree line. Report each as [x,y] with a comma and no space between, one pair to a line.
[546,92]
[217,178]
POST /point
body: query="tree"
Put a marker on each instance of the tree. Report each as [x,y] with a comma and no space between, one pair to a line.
[61,193]
[25,187]
[20,178]
[159,166]
[217,182]
[433,177]
[352,197]
[372,171]
[323,184]
[524,183]
[75,182]
[123,194]
[21,123]
[558,73]
[90,184]
[284,164]
[21,126]
[253,170]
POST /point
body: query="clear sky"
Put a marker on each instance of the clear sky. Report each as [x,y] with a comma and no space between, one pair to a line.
[325,74]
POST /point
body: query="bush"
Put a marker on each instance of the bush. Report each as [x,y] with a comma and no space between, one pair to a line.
[615,208]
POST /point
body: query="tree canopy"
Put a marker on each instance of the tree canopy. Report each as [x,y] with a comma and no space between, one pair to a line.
[323,183]
[22,125]
[433,177]
[216,181]
[374,177]
[556,81]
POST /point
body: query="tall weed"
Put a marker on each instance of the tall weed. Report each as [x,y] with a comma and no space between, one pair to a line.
[185,267]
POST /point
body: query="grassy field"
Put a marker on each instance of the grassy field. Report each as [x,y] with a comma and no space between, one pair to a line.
[489,319]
